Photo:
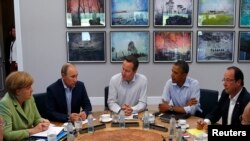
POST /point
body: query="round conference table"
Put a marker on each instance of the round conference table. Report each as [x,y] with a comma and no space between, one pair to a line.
[110,133]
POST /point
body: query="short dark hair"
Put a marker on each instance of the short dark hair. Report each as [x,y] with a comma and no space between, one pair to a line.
[134,60]
[238,74]
[183,65]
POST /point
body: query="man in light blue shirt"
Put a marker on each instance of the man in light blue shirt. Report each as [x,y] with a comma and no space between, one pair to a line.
[128,89]
[181,93]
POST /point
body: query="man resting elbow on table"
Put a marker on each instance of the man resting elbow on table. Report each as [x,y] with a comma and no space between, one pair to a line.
[181,93]
[128,89]
[67,97]
[232,102]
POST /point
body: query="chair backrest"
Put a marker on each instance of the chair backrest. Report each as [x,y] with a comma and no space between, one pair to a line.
[208,100]
[106,94]
[41,99]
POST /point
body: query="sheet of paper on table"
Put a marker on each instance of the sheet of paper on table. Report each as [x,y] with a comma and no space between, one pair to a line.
[195,132]
[131,116]
[44,133]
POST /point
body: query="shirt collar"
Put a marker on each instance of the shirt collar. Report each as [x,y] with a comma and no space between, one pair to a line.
[64,85]
[133,80]
[186,83]
[234,99]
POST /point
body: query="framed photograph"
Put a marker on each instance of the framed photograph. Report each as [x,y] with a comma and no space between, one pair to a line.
[215,46]
[220,13]
[170,46]
[86,46]
[244,46]
[85,13]
[129,13]
[124,43]
[173,13]
[244,13]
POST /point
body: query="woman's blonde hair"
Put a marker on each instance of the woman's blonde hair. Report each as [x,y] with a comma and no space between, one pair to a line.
[18,80]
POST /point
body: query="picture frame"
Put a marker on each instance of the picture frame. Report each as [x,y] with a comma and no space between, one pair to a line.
[244,48]
[244,13]
[170,46]
[216,13]
[129,13]
[215,46]
[86,46]
[173,13]
[85,13]
[124,43]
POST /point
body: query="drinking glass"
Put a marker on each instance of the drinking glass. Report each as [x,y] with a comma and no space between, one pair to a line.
[51,134]
[78,124]
[115,117]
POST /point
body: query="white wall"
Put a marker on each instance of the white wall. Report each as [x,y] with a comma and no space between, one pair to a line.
[43,42]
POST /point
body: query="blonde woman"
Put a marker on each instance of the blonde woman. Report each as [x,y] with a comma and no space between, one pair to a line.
[18,108]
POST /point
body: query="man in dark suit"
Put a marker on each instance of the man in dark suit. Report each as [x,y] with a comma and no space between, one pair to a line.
[232,102]
[67,97]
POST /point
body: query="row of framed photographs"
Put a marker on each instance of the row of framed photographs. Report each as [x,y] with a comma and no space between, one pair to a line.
[168,46]
[135,13]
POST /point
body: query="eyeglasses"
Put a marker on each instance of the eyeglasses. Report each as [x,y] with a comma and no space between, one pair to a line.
[227,80]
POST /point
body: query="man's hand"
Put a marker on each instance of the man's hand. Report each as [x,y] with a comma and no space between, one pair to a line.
[127,110]
[201,124]
[163,107]
[192,102]
[83,115]
[75,116]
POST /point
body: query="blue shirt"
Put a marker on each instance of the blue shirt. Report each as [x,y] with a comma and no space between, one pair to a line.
[68,93]
[179,96]
[133,93]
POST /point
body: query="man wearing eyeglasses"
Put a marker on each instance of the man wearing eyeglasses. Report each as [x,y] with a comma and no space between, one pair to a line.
[232,102]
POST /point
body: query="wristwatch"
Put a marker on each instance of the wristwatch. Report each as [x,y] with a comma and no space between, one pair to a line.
[171,108]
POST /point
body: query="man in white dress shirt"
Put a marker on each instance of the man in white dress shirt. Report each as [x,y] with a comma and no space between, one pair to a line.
[128,89]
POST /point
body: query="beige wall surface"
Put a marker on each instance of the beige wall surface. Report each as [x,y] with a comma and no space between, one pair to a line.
[43,41]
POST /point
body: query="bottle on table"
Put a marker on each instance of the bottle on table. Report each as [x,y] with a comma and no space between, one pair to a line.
[90,123]
[146,120]
[172,128]
[122,119]
[70,131]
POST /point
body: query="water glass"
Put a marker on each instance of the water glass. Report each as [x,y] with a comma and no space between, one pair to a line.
[78,124]
[115,117]
[51,134]
[122,119]
[179,135]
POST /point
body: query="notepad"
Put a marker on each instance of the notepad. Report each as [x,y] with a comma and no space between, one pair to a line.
[195,132]
[45,133]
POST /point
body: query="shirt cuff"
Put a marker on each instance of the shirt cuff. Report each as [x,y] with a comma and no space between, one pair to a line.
[207,121]
[187,109]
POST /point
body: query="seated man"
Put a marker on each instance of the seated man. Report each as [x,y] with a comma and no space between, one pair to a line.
[232,102]
[128,89]
[181,93]
[67,96]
